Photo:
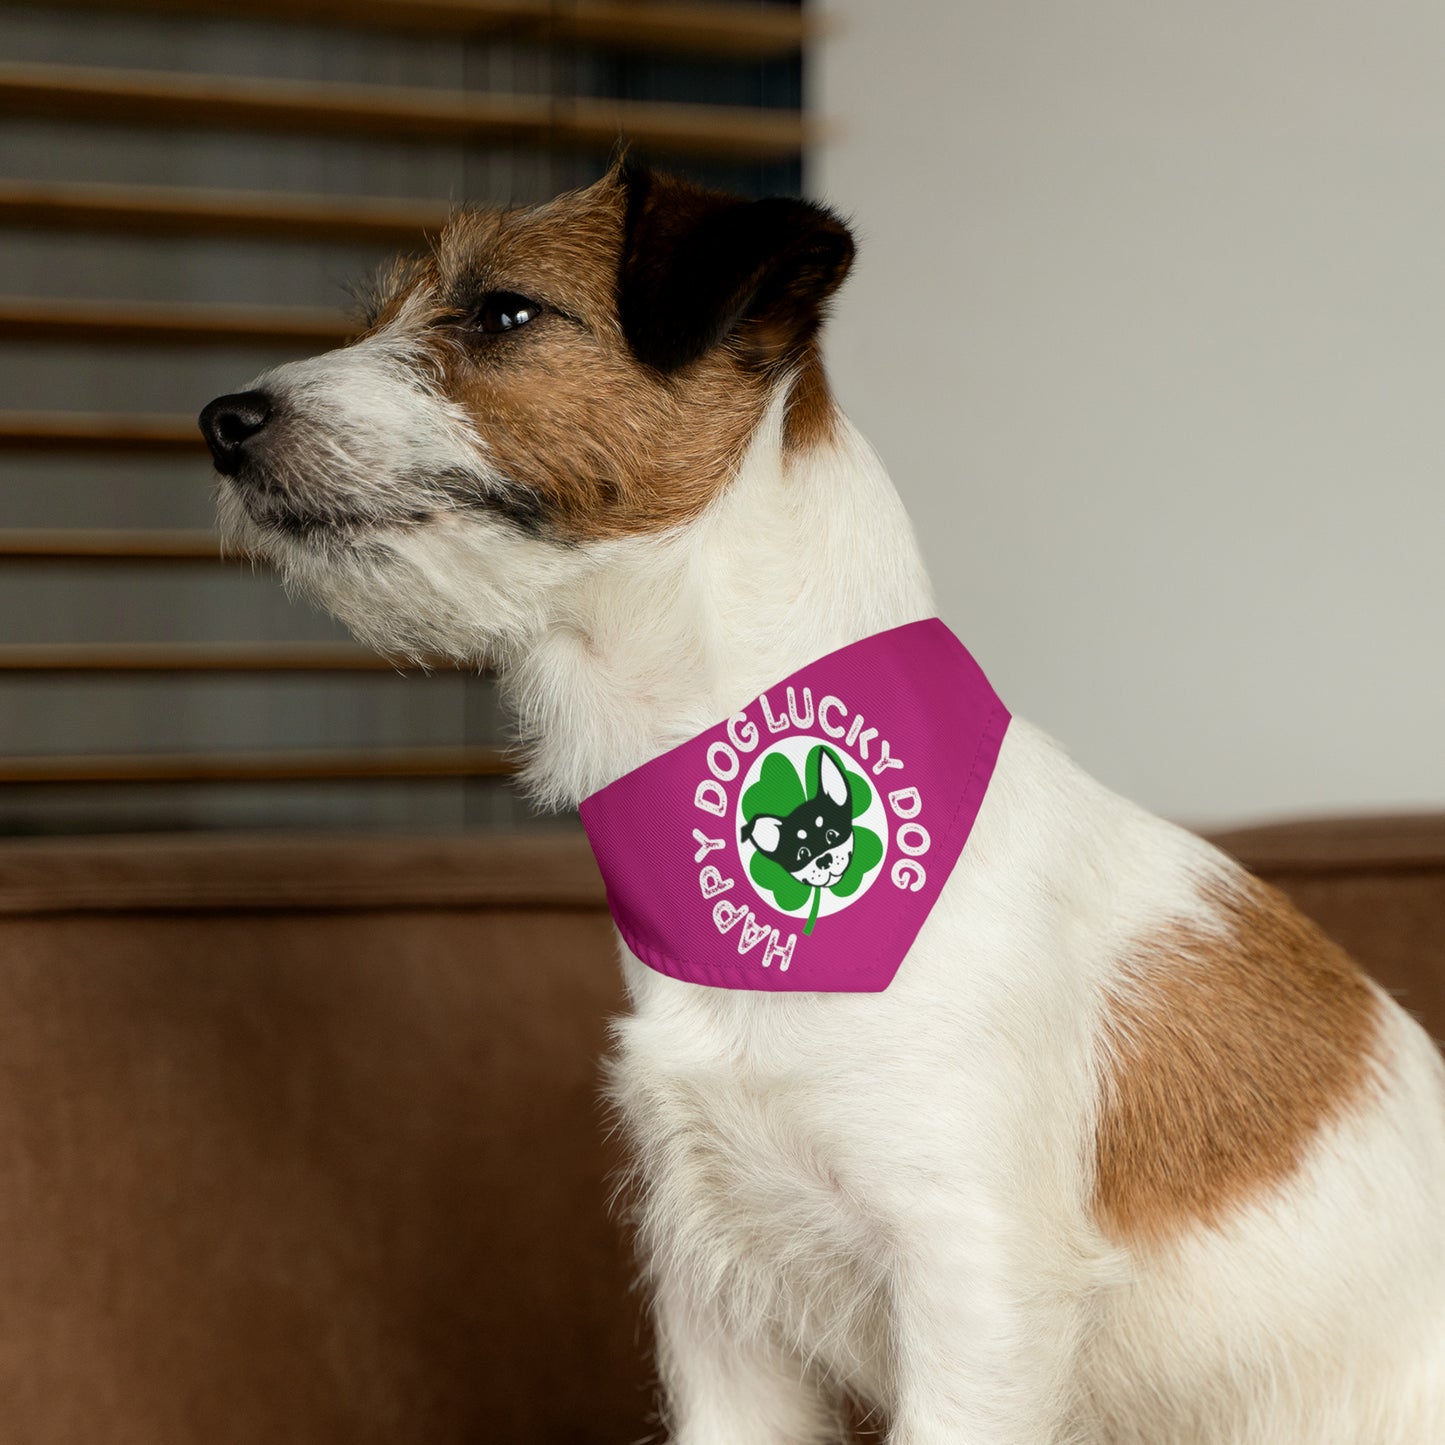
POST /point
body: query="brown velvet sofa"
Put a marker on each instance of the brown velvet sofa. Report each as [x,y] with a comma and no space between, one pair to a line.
[300,1139]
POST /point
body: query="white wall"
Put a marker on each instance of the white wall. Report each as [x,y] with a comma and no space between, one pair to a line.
[1149,323]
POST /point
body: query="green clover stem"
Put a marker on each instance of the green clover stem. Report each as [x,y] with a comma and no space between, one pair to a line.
[813,911]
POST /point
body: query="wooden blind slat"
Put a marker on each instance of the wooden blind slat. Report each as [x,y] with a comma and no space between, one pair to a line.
[166,657]
[98,432]
[76,544]
[259,767]
[78,431]
[170,323]
[709,29]
[755,32]
[217,102]
[175,210]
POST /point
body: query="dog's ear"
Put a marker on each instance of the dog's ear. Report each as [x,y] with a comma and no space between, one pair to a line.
[831,779]
[765,833]
[699,266]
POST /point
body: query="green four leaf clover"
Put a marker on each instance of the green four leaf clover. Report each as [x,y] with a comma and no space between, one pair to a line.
[777,792]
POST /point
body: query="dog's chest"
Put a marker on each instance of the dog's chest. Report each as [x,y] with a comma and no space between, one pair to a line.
[744,1185]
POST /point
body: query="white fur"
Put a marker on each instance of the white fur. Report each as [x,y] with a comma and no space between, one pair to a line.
[890,1193]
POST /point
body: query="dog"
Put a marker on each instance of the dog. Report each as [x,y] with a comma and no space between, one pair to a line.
[1127,1153]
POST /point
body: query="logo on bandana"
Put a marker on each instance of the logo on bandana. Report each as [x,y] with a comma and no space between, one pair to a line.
[809,829]
[800,843]
[811,816]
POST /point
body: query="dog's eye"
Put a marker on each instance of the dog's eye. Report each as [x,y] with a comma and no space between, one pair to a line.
[504,311]
[803,855]
[832,835]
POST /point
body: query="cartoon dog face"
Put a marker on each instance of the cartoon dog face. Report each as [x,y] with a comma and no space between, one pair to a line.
[815,841]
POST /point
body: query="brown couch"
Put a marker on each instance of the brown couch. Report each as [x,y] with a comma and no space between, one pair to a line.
[300,1139]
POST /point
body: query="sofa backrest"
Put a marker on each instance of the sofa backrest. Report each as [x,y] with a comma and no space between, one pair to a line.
[302,1142]
[302,1138]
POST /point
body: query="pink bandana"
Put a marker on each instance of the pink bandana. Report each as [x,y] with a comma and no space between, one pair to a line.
[801,843]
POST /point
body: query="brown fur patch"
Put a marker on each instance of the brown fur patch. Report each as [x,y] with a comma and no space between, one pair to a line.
[1226,1053]
[600,444]
[812,413]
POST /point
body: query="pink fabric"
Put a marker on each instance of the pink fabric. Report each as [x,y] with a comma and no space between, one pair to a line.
[800,844]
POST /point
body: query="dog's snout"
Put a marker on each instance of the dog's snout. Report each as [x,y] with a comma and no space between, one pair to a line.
[229,422]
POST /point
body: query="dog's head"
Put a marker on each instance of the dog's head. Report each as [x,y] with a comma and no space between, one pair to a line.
[547,383]
[815,841]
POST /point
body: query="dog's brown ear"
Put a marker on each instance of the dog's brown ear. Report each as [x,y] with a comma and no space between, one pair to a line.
[699,266]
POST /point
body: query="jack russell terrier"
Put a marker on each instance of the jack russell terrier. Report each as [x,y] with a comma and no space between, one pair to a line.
[957,1086]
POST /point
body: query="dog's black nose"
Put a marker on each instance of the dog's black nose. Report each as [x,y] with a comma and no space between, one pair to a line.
[229,422]
[826,861]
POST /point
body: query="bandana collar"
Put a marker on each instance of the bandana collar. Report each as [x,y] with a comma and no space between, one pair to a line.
[801,843]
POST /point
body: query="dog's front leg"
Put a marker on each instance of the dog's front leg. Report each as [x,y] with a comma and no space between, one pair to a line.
[721,1387]
[984,1348]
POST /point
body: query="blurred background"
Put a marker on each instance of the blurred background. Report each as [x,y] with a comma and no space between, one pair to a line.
[187,191]
[1149,324]
[1146,323]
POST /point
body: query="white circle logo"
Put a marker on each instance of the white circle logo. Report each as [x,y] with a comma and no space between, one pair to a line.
[812,829]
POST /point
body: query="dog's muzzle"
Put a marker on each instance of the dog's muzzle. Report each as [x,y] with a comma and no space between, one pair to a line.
[230,422]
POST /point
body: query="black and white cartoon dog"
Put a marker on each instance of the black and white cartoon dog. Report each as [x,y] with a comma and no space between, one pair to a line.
[815,841]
